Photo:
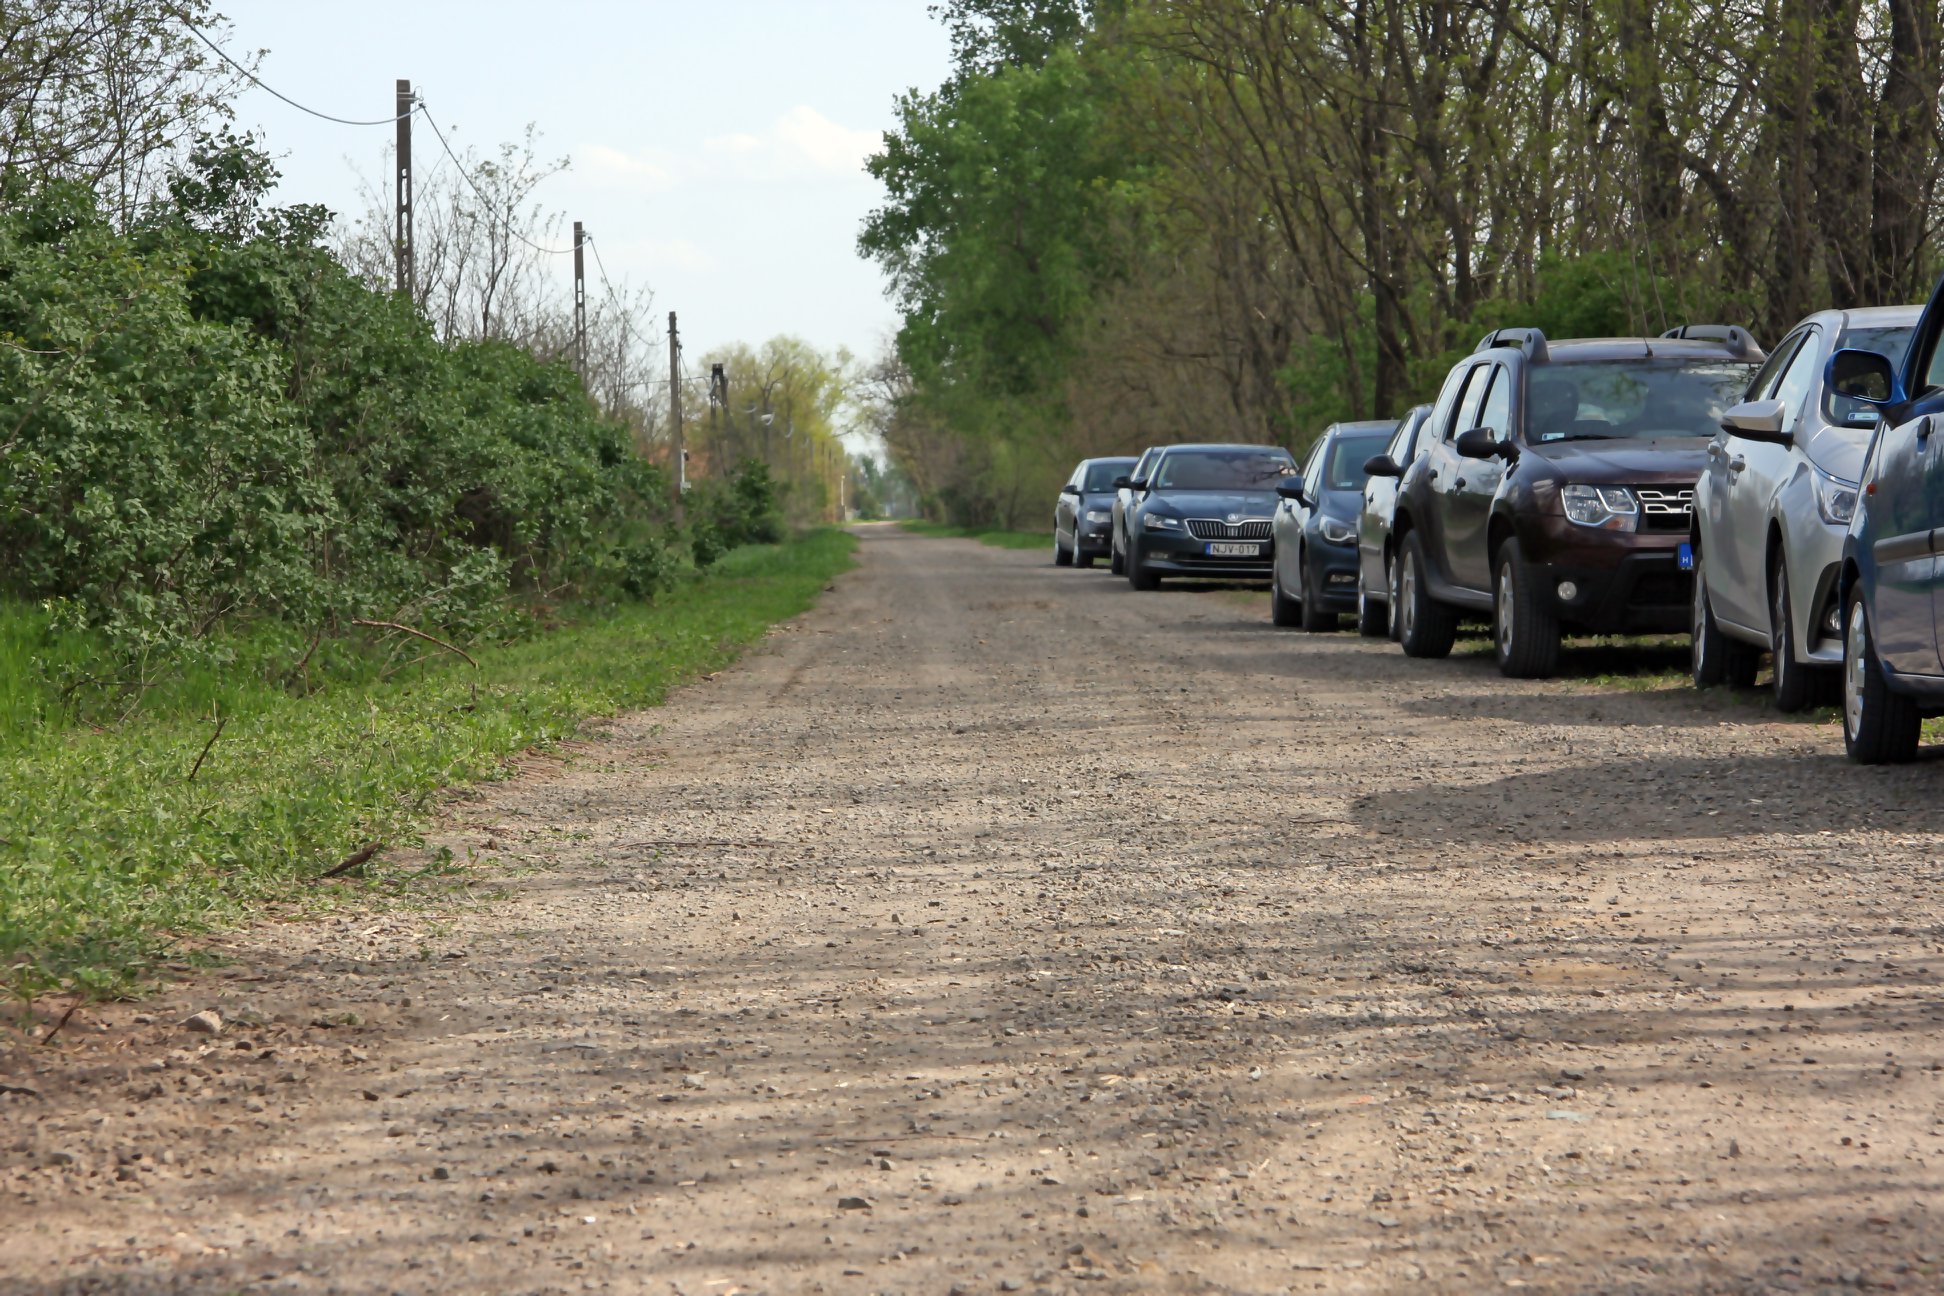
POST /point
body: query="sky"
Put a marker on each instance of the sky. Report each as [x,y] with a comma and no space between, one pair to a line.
[717,148]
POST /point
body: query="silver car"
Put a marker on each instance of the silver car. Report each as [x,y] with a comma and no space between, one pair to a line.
[1773,506]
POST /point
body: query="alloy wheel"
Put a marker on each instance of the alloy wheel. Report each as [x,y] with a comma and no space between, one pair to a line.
[1502,608]
[1856,646]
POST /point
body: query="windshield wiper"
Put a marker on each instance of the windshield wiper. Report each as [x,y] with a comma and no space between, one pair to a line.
[1586,436]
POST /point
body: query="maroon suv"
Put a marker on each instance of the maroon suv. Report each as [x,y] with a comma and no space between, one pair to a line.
[1556,493]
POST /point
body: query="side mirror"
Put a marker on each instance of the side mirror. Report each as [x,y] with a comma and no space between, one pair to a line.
[1862,376]
[1382,466]
[1290,490]
[1756,421]
[1122,483]
[1482,443]
[1069,489]
[1138,483]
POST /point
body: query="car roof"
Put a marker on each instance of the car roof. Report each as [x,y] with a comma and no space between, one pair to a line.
[1109,459]
[1591,350]
[1868,317]
[1223,445]
[1361,425]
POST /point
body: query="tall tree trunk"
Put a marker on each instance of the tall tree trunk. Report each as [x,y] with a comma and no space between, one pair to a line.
[1904,155]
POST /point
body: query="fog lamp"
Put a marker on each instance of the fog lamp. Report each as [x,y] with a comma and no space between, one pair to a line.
[1568,591]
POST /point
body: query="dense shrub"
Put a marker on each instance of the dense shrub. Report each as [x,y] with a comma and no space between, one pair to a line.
[207,420]
[743,509]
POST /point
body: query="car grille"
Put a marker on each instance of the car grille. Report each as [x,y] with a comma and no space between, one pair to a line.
[1216,529]
[1665,508]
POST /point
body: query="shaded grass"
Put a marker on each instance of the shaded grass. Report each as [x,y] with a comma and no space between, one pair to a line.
[984,535]
[110,854]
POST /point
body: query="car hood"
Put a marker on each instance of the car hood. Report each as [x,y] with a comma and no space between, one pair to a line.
[1344,505]
[1839,451]
[1622,460]
[1097,500]
[1217,504]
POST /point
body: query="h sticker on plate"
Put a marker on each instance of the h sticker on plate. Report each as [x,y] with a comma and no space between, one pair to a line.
[1687,556]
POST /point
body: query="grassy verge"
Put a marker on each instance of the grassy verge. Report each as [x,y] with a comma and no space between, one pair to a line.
[111,852]
[988,535]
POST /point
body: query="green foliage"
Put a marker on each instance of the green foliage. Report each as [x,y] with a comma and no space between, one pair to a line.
[208,422]
[726,514]
[111,855]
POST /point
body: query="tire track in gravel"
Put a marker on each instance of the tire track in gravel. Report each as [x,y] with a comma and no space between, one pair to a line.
[996,928]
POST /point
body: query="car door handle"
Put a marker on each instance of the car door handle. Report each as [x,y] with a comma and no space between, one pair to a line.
[1923,429]
[1736,464]
[1714,449]
[1459,484]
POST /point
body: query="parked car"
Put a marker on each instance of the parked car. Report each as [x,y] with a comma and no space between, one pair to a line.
[1204,510]
[1556,490]
[1773,508]
[1123,501]
[1893,671]
[1085,511]
[1315,529]
[1376,560]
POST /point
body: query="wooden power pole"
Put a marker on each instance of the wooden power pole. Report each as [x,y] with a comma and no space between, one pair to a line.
[407,277]
[580,305]
[675,412]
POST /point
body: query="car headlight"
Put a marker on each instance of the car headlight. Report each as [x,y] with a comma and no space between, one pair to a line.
[1336,532]
[1835,498]
[1159,522]
[1098,516]
[1610,508]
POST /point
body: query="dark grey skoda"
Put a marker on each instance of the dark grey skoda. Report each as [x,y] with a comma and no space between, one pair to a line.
[1205,510]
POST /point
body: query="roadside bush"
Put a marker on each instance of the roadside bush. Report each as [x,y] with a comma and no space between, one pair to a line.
[726,514]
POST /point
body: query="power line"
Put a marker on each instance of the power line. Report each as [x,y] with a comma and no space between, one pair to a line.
[260,84]
[426,113]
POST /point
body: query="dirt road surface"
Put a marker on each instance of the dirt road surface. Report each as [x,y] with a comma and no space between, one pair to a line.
[996,928]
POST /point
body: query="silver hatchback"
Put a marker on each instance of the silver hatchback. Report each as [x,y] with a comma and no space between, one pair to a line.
[1772,508]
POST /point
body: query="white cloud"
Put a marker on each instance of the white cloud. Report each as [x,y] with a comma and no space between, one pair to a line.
[611,168]
[800,143]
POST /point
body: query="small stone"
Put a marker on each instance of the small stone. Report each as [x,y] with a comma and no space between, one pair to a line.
[1009,1284]
[206,1022]
[60,1157]
[853,1203]
[884,1163]
[441,1172]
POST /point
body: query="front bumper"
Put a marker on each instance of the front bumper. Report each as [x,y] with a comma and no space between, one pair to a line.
[1623,582]
[1815,553]
[1093,539]
[1176,554]
[1333,575]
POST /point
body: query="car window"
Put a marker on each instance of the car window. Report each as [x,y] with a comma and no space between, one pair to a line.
[1344,467]
[1496,413]
[1312,475]
[1239,469]
[1770,373]
[1800,377]
[1474,397]
[1934,370]
[1145,463]
[1440,419]
[1631,398]
[1100,476]
[1888,340]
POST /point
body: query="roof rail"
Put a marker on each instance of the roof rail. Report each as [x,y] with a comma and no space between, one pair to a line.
[1737,338]
[1529,340]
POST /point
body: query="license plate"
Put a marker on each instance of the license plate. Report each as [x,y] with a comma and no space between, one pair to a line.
[1687,556]
[1340,578]
[1235,551]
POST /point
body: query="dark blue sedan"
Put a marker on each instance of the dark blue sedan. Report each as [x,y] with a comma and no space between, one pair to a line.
[1315,571]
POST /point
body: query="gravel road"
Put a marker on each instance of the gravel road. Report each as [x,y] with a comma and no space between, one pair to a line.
[995,928]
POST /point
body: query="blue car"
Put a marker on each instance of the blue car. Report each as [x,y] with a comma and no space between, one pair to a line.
[1313,577]
[1893,558]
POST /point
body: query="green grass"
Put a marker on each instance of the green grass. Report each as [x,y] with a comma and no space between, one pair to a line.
[111,857]
[984,535]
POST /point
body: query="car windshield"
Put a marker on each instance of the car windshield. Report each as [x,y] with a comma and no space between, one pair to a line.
[1631,398]
[1344,471]
[1221,470]
[1891,342]
[1100,476]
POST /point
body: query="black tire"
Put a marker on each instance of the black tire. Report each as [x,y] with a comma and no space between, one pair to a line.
[1115,562]
[1315,619]
[1525,632]
[1393,604]
[1373,618]
[1137,575]
[1082,560]
[1062,556]
[1796,685]
[1426,627]
[1283,610]
[1879,727]
[1714,658]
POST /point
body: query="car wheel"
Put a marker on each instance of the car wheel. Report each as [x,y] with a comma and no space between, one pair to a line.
[1395,601]
[1315,619]
[1879,727]
[1081,559]
[1115,563]
[1373,618]
[1425,627]
[1714,658]
[1138,575]
[1283,610]
[1062,556]
[1795,683]
[1524,632]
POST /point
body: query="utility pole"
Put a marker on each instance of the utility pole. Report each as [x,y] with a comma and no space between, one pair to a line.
[719,418]
[580,304]
[675,412]
[402,239]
